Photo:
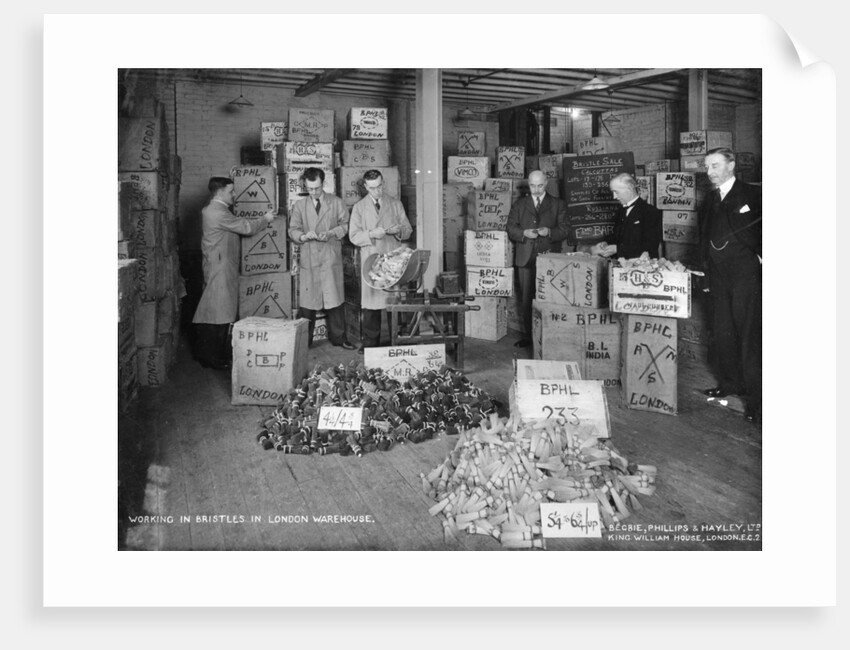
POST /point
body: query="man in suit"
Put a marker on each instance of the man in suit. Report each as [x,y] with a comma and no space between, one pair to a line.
[221,247]
[378,225]
[318,223]
[536,224]
[637,226]
[730,246]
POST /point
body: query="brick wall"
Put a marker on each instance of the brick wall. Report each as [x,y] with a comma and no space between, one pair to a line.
[748,130]
[650,132]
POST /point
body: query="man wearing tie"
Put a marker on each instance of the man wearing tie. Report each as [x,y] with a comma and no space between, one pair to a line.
[637,226]
[730,246]
[536,224]
[318,223]
[378,225]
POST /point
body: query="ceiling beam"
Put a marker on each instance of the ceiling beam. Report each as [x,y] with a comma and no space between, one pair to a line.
[627,79]
[321,80]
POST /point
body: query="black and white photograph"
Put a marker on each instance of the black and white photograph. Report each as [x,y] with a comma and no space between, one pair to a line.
[376,322]
[569,261]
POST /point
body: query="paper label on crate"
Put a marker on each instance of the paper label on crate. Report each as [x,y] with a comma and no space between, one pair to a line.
[575,404]
[401,362]
[340,418]
[650,293]
[574,519]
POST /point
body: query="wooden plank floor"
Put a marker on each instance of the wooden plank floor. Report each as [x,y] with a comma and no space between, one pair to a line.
[222,491]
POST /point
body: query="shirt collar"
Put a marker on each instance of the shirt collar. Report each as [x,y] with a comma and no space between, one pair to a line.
[631,203]
[222,202]
[725,187]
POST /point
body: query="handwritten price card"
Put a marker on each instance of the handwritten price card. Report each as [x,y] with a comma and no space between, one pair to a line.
[572,402]
[340,418]
[570,520]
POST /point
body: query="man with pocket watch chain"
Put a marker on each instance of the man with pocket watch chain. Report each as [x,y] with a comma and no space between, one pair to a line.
[730,244]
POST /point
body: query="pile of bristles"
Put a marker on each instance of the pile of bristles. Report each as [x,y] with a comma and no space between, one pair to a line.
[494,480]
[649,264]
[427,405]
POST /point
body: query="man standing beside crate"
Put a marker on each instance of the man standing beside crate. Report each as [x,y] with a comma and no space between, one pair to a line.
[536,224]
[318,224]
[637,226]
[730,243]
[221,248]
[378,225]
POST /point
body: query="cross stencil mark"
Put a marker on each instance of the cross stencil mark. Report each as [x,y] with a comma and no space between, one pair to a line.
[653,362]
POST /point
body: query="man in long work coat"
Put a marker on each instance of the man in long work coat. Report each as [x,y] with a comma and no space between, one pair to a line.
[378,225]
[536,224]
[318,224]
[221,248]
[730,244]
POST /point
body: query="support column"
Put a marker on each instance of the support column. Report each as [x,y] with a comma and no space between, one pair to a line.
[697,100]
[429,169]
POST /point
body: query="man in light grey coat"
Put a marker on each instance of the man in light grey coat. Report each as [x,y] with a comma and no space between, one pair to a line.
[318,223]
[378,225]
[221,247]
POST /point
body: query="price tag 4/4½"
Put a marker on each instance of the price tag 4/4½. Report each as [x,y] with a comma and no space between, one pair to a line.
[570,520]
[340,418]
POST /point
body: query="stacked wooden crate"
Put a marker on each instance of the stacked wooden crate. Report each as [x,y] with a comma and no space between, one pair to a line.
[149,182]
[265,283]
[570,316]
[652,299]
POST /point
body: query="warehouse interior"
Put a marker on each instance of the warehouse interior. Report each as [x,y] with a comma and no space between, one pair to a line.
[191,472]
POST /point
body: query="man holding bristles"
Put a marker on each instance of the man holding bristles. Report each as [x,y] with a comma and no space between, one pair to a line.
[637,224]
[730,246]
[318,224]
[536,224]
[378,225]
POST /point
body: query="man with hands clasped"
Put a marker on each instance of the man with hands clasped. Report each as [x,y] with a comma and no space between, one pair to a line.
[536,224]
[318,223]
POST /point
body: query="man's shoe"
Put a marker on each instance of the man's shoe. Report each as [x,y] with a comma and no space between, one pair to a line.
[717,391]
[345,345]
[522,343]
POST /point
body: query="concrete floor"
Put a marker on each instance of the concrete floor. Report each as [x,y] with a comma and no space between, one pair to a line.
[189,456]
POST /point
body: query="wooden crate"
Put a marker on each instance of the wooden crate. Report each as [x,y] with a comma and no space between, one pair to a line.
[269,358]
[589,337]
[650,364]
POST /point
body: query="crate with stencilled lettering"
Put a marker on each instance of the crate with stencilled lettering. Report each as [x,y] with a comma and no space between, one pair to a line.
[575,279]
[650,288]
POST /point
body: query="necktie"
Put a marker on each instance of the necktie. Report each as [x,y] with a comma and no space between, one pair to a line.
[378,206]
[537,203]
[318,206]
